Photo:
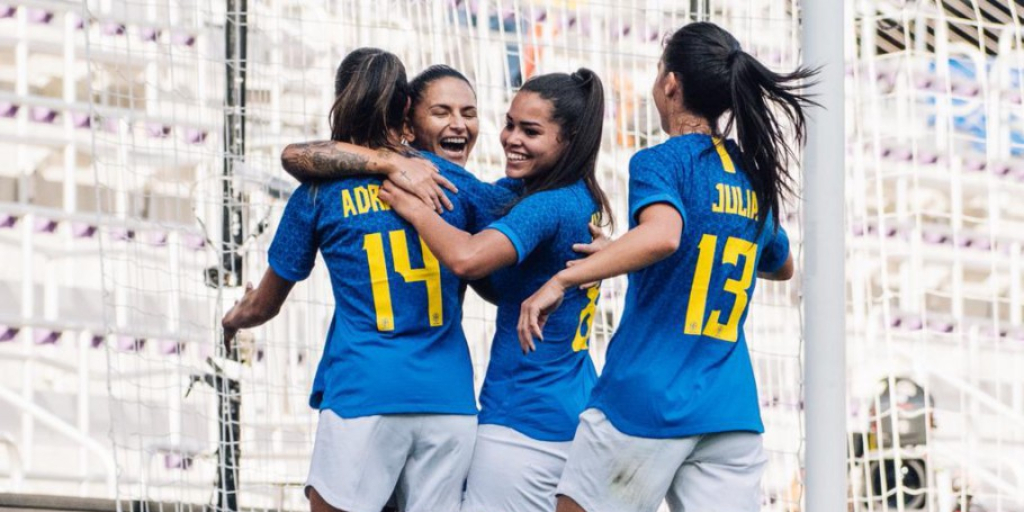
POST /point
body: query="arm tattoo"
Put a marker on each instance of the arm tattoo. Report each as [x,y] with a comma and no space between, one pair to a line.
[322,160]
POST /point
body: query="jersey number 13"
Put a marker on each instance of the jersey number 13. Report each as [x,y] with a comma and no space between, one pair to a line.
[734,248]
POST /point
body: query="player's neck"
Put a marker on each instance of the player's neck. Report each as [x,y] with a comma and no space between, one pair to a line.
[684,123]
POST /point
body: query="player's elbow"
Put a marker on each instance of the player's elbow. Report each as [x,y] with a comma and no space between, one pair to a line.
[468,268]
[784,273]
[290,159]
[665,246]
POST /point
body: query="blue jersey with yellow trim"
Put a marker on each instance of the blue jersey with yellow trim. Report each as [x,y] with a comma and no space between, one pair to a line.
[541,394]
[395,344]
[678,364]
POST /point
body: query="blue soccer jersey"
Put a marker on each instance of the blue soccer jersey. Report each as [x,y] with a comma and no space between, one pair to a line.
[395,344]
[678,364]
[541,394]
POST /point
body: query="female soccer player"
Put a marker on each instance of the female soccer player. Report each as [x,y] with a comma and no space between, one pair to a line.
[530,403]
[388,417]
[675,413]
[442,120]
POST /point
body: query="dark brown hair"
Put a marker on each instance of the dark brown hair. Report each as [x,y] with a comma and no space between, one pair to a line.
[371,95]
[578,109]
[717,76]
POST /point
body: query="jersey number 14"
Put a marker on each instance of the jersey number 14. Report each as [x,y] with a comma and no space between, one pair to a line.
[734,248]
[429,275]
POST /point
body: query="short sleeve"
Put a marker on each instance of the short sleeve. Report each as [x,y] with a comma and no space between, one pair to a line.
[531,222]
[484,202]
[293,252]
[652,180]
[775,251]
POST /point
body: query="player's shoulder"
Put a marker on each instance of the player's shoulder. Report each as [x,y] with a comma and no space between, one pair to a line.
[448,169]
[658,156]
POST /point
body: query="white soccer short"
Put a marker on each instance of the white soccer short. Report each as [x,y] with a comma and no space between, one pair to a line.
[609,471]
[422,458]
[512,472]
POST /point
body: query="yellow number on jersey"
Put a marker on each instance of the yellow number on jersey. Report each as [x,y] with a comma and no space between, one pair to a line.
[586,319]
[430,275]
[734,248]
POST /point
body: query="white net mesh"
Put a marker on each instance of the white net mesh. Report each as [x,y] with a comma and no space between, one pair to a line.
[934,150]
[115,202]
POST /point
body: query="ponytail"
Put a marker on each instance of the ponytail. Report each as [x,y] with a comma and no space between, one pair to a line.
[578,108]
[766,151]
[718,77]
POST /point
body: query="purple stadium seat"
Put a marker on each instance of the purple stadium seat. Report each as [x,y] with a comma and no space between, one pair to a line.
[1017,170]
[47,337]
[130,344]
[112,28]
[1000,169]
[910,322]
[97,340]
[43,114]
[974,163]
[39,16]
[44,225]
[157,130]
[149,34]
[81,119]
[620,29]
[7,220]
[195,136]
[155,238]
[121,233]
[8,109]
[82,230]
[940,325]
[7,11]
[7,333]
[171,347]
[177,461]
[934,238]
[183,39]
[980,243]
[194,241]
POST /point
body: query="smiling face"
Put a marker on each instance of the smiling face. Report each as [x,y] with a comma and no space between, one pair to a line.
[531,139]
[444,121]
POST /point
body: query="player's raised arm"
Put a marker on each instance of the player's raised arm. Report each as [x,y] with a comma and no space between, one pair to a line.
[324,160]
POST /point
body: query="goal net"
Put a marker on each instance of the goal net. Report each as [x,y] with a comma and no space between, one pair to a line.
[139,194]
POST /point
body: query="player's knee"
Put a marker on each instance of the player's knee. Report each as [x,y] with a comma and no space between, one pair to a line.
[567,504]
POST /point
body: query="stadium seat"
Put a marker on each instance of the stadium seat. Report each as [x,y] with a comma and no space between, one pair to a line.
[8,333]
[40,16]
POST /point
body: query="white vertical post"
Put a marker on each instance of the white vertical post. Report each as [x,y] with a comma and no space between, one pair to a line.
[824,279]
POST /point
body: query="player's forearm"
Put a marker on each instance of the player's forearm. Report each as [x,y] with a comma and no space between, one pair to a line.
[258,306]
[639,248]
[467,256]
[320,160]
